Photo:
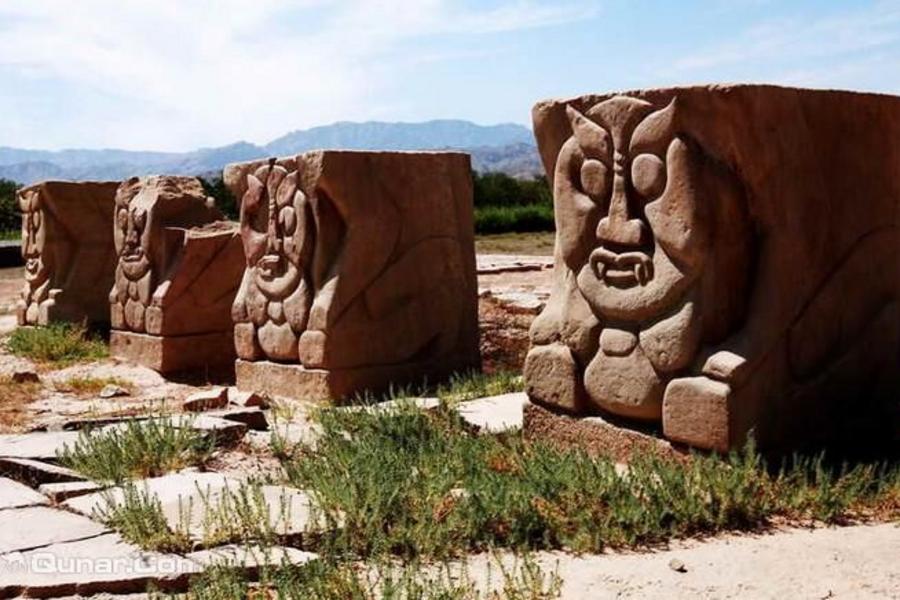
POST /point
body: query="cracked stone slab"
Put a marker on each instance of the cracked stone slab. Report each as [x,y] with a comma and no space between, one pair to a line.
[102,564]
[37,526]
[252,417]
[495,414]
[58,492]
[15,495]
[36,472]
[169,489]
[42,445]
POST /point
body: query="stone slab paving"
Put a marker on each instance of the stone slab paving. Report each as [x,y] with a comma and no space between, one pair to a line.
[252,417]
[15,495]
[251,557]
[36,471]
[494,414]
[105,563]
[169,489]
[500,263]
[42,445]
[37,526]
[57,492]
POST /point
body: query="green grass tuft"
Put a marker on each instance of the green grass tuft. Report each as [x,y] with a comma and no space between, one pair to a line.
[59,343]
[329,580]
[468,386]
[138,517]
[417,484]
[136,449]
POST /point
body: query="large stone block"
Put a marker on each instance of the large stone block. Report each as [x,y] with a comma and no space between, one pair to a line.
[360,272]
[727,260]
[67,244]
[177,273]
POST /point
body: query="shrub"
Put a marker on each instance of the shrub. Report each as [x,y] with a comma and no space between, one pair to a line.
[61,343]
[502,219]
[10,216]
[136,449]
[225,200]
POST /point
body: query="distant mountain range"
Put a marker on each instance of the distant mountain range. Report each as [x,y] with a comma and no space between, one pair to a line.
[508,148]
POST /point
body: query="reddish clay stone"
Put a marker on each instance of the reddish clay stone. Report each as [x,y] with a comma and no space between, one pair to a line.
[712,272]
[67,245]
[177,273]
[360,272]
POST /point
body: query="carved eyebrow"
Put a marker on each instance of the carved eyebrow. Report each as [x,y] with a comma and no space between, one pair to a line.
[593,139]
[654,133]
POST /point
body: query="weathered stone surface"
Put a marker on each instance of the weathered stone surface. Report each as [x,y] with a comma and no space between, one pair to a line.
[15,495]
[494,414]
[100,564]
[39,445]
[252,417]
[350,246]
[390,406]
[36,526]
[177,272]
[36,472]
[247,399]
[703,231]
[206,400]
[64,490]
[113,391]
[173,354]
[68,249]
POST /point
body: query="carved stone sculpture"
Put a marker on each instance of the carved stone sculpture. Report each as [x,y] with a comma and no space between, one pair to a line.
[360,272]
[726,261]
[67,245]
[178,271]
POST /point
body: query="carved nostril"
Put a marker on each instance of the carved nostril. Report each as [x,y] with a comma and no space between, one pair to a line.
[621,232]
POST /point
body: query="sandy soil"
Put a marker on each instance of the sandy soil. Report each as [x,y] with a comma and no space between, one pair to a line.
[859,562]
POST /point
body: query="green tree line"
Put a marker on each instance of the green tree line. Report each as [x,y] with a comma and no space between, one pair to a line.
[502,203]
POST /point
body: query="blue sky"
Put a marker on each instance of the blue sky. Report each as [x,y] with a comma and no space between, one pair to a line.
[180,74]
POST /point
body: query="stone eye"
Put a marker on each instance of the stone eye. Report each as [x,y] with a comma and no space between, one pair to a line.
[594,178]
[36,220]
[288,220]
[648,175]
[140,218]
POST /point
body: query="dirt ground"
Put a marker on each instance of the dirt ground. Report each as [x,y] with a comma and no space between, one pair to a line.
[858,563]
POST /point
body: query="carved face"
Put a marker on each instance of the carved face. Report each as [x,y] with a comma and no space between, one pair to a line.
[33,238]
[132,237]
[274,230]
[631,224]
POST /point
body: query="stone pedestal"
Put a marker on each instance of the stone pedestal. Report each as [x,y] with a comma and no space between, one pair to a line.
[717,274]
[67,246]
[199,353]
[360,272]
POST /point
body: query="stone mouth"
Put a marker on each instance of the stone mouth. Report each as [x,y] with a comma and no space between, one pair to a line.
[270,266]
[133,255]
[621,269]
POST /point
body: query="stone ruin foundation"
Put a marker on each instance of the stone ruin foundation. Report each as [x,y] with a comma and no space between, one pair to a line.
[67,246]
[178,269]
[360,272]
[727,263]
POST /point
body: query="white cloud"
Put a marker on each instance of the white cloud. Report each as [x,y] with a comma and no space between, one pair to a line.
[787,40]
[176,74]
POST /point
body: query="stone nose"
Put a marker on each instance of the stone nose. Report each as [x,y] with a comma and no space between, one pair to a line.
[619,227]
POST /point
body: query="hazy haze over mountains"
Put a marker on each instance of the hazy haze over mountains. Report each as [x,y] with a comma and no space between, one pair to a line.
[506,147]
